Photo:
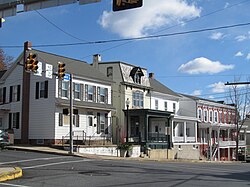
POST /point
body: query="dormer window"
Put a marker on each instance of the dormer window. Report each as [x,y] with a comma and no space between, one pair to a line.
[136,74]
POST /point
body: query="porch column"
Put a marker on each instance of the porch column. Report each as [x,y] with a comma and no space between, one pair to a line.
[218,140]
[146,128]
[172,130]
[185,131]
[196,132]
[210,142]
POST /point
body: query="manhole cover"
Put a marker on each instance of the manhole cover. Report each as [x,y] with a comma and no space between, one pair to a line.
[94,173]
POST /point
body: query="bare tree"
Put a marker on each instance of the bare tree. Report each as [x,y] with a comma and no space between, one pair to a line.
[5,60]
[239,96]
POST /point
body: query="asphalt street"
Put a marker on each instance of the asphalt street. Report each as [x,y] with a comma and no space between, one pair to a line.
[48,170]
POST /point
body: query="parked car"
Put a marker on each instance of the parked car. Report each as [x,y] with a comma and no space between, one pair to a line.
[4,138]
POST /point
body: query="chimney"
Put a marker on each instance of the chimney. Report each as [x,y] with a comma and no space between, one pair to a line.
[96,60]
[151,75]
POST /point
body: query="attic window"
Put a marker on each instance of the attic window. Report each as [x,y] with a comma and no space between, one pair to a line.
[136,74]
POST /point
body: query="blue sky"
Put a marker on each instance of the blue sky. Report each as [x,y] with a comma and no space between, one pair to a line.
[198,63]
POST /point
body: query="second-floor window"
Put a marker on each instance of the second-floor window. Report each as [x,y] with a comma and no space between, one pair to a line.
[205,115]
[199,114]
[65,89]
[215,116]
[166,105]
[156,104]
[138,99]
[220,117]
[42,89]
[2,95]
[15,93]
[174,108]
[211,116]
[76,91]
[102,95]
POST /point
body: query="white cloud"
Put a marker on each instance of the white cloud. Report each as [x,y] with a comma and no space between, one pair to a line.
[210,97]
[241,38]
[196,92]
[226,5]
[218,87]
[203,65]
[239,54]
[152,16]
[248,56]
[217,36]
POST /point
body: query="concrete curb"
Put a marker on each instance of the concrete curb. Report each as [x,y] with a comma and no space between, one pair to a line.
[9,175]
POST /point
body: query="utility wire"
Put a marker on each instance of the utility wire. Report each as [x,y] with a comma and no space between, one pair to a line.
[136,38]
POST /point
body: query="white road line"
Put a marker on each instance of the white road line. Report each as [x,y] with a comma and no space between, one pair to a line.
[30,160]
[8,184]
[56,163]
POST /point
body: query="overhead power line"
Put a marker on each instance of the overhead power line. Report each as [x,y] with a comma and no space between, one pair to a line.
[136,38]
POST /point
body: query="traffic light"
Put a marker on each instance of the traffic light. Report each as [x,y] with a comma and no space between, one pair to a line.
[61,70]
[31,63]
[126,4]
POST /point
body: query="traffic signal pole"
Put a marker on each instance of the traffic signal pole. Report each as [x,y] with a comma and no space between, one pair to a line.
[71,116]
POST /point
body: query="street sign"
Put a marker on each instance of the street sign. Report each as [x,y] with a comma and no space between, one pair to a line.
[49,71]
[66,77]
[126,4]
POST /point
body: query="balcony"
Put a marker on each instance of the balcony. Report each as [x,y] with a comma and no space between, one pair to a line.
[231,143]
[157,137]
[182,139]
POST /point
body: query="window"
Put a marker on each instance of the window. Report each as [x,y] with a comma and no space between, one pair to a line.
[14,119]
[102,95]
[15,93]
[65,89]
[109,71]
[215,116]
[65,120]
[205,115]
[220,117]
[138,99]
[199,114]
[42,89]
[174,108]
[76,91]
[166,105]
[156,104]
[102,123]
[90,93]
[137,78]
[211,116]
[136,74]
[2,95]
[90,121]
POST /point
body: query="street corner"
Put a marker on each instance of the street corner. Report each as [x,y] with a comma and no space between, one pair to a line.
[10,173]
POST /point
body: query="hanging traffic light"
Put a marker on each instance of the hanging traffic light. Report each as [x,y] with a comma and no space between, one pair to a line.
[61,70]
[31,63]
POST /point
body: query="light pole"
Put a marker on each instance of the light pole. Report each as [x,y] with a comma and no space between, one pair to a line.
[127,104]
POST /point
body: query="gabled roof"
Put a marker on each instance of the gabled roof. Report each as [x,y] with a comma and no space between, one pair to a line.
[159,87]
[76,67]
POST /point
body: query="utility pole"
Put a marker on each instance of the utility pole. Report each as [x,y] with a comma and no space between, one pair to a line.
[71,115]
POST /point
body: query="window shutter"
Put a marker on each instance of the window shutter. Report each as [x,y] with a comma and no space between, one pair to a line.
[37,90]
[82,92]
[94,93]
[77,120]
[86,92]
[18,92]
[98,124]
[10,120]
[106,96]
[59,88]
[46,91]
[106,124]
[73,94]
[4,94]
[60,119]
[98,94]
[11,90]
[17,120]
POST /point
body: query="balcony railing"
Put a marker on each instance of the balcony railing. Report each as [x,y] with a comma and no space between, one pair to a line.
[231,143]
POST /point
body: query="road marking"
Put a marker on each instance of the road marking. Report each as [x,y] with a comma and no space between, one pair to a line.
[30,160]
[8,184]
[57,163]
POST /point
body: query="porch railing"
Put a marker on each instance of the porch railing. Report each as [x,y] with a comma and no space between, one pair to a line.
[157,137]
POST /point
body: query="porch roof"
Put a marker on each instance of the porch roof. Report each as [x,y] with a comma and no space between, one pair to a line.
[148,112]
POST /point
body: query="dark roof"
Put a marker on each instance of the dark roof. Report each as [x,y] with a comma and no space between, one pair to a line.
[77,67]
[159,87]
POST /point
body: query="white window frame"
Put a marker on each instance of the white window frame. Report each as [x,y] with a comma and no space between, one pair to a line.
[216,116]
[166,105]
[210,116]
[77,91]
[200,114]
[65,89]
[205,115]
[156,104]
